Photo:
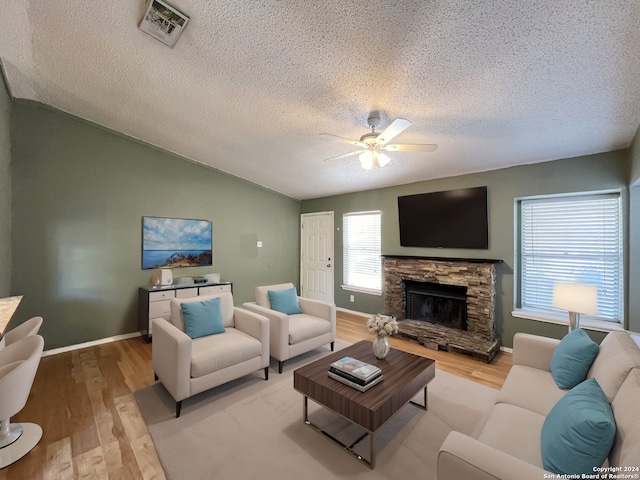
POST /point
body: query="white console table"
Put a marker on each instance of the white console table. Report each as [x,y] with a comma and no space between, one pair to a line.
[154,302]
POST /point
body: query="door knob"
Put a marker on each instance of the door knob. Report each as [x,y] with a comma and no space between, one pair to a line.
[329,265]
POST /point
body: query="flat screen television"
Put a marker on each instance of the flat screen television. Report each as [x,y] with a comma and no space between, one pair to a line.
[451,219]
[176,242]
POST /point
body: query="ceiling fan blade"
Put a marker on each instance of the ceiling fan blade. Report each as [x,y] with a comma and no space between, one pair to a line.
[398,126]
[410,147]
[345,155]
[343,139]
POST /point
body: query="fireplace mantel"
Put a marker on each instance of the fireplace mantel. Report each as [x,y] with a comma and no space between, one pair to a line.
[447,259]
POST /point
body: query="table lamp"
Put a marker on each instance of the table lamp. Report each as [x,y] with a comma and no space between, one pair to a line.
[576,298]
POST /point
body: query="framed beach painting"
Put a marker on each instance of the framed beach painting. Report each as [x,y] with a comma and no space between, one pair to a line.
[163,22]
[176,242]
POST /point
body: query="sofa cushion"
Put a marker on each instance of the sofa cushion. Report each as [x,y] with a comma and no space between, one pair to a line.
[572,358]
[626,447]
[530,388]
[515,431]
[618,355]
[202,318]
[215,352]
[303,327]
[578,433]
[284,301]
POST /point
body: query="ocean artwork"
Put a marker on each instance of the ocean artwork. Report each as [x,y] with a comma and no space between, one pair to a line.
[176,242]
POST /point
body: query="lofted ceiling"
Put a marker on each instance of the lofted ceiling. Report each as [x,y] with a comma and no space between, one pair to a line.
[251,84]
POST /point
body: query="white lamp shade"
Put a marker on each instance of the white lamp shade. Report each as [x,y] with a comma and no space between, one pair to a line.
[366,160]
[576,297]
[383,160]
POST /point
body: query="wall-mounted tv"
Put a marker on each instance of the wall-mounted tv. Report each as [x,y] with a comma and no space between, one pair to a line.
[176,242]
[451,219]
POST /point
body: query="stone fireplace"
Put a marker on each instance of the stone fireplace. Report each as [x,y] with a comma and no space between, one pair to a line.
[451,302]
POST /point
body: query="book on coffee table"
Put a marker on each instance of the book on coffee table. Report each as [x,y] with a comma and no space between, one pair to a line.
[353,378]
[362,388]
[361,370]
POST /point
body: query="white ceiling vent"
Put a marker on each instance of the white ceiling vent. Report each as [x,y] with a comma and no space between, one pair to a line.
[163,22]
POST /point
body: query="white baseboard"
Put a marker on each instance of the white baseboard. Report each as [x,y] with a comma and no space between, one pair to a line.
[353,312]
[93,343]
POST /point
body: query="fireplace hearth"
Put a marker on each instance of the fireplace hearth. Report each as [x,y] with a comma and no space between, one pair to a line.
[475,278]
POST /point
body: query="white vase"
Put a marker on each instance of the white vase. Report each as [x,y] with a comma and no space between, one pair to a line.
[381,347]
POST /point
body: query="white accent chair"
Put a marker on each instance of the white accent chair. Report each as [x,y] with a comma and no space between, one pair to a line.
[188,366]
[293,335]
[26,329]
[18,365]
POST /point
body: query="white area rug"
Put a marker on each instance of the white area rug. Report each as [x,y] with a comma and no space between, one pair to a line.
[253,429]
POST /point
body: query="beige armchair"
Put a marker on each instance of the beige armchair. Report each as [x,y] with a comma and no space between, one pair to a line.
[187,366]
[292,335]
[18,365]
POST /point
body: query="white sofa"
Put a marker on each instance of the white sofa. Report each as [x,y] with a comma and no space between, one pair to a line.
[509,445]
[293,335]
[187,366]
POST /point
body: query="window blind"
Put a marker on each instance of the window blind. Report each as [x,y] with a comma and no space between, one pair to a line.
[362,249]
[575,239]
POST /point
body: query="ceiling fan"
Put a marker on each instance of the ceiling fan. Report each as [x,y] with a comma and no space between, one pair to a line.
[371,144]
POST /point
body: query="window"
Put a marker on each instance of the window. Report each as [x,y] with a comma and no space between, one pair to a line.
[575,239]
[361,252]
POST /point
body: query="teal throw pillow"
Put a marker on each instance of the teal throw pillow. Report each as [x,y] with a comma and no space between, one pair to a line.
[579,431]
[284,301]
[572,358]
[202,318]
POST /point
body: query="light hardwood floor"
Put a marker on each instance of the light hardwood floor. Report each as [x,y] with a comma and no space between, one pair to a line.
[84,402]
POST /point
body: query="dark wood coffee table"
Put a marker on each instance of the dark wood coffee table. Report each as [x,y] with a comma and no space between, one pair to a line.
[404,374]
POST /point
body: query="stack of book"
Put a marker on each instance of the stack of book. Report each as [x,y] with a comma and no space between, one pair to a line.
[359,375]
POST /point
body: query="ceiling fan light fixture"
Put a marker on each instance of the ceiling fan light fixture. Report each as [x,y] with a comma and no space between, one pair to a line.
[366,160]
[373,158]
[371,144]
[382,159]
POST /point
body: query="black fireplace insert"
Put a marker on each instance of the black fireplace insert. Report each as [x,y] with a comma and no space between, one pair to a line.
[436,303]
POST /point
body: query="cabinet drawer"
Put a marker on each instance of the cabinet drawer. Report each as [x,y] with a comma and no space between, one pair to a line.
[187,292]
[164,295]
[161,308]
[213,289]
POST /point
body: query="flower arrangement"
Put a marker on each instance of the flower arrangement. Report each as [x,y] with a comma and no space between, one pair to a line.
[382,325]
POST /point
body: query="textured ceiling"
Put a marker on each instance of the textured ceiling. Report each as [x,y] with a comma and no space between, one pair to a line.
[251,84]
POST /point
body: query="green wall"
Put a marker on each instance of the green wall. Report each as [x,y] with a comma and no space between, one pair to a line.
[635,159]
[71,208]
[634,235]
[79,192]
[5,189]
[633,305]
[589,173]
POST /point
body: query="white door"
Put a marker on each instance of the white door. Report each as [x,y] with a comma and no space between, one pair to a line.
[316,262]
